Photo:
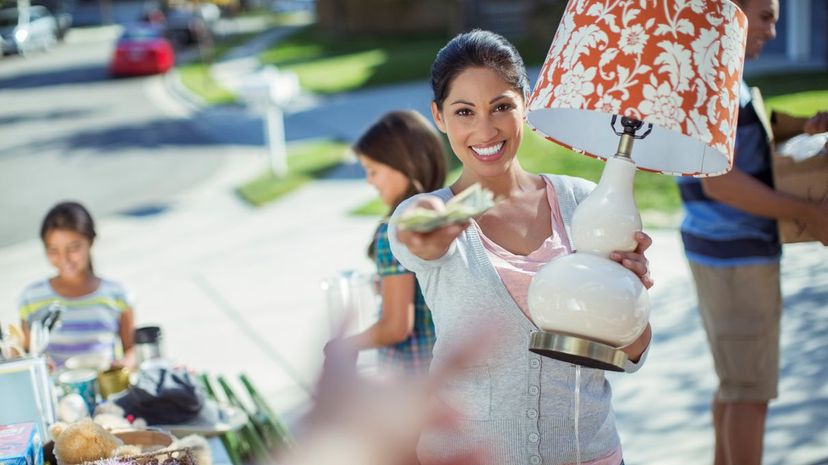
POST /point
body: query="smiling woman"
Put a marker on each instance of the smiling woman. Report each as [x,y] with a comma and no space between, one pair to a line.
[95,314]
[479,273]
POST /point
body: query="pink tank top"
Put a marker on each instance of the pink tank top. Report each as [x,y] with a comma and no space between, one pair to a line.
[516,271]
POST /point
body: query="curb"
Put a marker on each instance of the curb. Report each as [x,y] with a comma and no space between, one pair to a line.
[176,89]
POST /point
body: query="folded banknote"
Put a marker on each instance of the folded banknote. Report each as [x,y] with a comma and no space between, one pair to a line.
[467,204]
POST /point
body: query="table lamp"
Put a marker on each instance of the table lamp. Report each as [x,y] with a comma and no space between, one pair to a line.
[663,75]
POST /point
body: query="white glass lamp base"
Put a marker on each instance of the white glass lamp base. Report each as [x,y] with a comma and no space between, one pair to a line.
[585,304]
[590,296]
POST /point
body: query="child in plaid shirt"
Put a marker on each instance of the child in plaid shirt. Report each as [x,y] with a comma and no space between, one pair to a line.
[402,155]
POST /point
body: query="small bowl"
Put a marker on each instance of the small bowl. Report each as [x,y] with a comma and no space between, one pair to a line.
[149,440]
[113,381]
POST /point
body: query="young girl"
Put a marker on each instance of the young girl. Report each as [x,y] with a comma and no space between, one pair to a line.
[95,311]
[516,406]
[402,156]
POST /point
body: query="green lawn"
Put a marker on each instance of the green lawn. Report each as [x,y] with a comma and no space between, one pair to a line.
[196,78]
[371,208]
[326,64]
[306,162]
[279,18]
[329,64]
[800,94]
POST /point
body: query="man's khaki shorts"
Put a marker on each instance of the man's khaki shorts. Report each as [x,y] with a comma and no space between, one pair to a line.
[741,309]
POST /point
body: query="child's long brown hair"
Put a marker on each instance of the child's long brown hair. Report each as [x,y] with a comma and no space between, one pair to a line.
[405,141]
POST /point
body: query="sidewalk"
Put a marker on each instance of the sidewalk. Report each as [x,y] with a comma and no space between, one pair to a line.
[236,289]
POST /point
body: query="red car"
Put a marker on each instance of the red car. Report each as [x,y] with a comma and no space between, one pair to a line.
[142,49]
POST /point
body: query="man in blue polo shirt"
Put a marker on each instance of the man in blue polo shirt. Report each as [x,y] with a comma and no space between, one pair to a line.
[731,241]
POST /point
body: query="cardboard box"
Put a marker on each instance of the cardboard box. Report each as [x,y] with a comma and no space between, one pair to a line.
[805,176]
[807,179]
[21,444]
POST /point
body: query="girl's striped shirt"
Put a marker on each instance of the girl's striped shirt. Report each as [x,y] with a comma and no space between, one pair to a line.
[89,324]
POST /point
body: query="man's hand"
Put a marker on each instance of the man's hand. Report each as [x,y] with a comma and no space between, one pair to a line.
[635,261]
[817,123]
[817,222]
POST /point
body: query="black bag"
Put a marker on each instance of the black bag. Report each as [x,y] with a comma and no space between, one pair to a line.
[163,396]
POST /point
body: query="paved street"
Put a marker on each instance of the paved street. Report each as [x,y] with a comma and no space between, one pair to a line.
[67,130]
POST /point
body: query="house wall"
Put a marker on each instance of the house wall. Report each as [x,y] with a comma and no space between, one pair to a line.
[512,18]
[818,23]
[819,29]
[385,16]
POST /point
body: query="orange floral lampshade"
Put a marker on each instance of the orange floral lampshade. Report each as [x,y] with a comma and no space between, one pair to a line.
[676,64]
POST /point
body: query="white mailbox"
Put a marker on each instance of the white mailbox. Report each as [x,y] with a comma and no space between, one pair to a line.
[268,91]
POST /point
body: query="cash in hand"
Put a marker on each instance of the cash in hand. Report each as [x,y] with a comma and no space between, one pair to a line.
[472,202]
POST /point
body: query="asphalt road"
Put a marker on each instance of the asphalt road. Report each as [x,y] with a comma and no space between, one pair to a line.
[69,131]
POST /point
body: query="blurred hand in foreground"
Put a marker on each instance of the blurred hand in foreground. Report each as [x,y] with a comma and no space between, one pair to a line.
[360,421]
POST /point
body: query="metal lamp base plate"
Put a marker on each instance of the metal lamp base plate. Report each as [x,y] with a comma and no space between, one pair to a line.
[577,350]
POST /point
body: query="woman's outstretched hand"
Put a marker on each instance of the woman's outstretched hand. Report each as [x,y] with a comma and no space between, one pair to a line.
[433,244]
[635,261]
